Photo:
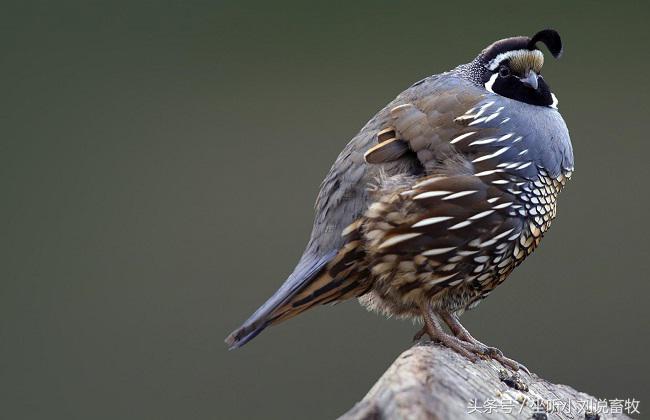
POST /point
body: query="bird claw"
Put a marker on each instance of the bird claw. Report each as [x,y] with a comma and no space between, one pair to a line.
[524,368]
[486,352]
[509,363]
[493,352]
[418,335]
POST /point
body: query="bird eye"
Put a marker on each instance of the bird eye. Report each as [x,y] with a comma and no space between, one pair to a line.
[504,71]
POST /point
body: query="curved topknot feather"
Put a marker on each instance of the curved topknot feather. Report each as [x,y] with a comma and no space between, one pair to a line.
[550,38]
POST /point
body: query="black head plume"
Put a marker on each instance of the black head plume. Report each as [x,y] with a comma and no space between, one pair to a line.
[550,38]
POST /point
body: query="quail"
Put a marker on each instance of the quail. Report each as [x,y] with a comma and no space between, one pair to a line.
[437,199]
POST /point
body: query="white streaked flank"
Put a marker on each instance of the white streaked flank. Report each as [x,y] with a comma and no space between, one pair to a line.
[460,225]
[492,172]
[466,253]
[484,277]
[398,238]
[488,243]
[460,194]
[481,214]
[462,136]
[437,251]
[428,182]
[483,141]
[480,112]
[490,156]
[502,205]
[477,121]
[506,233]
[431,221]
[491,117]
[487,105]
[437,280]
[430,194]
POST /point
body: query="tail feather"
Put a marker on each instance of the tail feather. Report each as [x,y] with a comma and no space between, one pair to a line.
[333,276]
[336,276]
[315,294]
[307,270]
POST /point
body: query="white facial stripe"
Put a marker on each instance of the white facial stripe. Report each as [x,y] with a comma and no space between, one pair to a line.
[490,82]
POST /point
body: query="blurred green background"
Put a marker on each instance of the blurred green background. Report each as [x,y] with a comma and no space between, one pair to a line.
[159,162]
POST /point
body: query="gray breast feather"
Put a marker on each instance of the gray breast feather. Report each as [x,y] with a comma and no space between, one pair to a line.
[543,133]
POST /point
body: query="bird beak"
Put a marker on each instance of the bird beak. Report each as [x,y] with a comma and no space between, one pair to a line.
[530,80]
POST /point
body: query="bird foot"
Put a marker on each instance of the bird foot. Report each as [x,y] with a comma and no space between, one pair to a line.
[463,343]
[467,350]
[506,361]
[493,353]
[437,334]
[474,351]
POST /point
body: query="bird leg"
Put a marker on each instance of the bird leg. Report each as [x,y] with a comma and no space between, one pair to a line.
[462,341]
[435,331]
[461,332]
[490,352]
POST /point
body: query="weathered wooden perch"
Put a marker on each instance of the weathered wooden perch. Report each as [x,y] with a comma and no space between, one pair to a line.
[432,382]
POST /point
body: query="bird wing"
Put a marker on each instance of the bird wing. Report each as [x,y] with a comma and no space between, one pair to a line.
[331,267]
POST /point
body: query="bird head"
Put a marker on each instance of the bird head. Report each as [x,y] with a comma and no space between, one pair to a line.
[512,68]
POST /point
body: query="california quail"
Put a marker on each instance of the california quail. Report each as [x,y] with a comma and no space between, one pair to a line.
[438,198]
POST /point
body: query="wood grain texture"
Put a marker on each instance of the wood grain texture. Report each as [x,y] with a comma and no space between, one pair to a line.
[432,382]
